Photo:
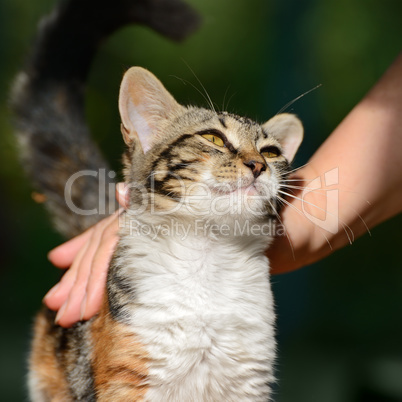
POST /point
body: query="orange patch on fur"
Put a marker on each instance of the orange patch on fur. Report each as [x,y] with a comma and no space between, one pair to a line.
[120,361]
[38,197]
[204,157]
[47,380]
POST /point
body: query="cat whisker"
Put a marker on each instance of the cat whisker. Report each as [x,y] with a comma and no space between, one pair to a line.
[298,168]
[299,97]
[323,193]
[225,107]
[289,186]
[319,189]
[290,180]
[224,98]
[208,98]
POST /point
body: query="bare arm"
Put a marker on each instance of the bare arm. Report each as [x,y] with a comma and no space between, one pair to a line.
[366,148]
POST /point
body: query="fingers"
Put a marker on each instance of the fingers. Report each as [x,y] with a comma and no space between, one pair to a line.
[97,280]
[58,295]
[70,312]
[63,256]
[90,265]
[90,268]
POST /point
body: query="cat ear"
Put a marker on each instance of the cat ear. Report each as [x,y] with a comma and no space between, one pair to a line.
[288,130]
[145,106]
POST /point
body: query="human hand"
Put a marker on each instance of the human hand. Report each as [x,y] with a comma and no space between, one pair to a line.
[79,294]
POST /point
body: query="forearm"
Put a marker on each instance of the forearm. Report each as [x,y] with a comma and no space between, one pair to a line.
[365,153]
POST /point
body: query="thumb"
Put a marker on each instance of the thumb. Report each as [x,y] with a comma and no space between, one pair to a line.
[122,195]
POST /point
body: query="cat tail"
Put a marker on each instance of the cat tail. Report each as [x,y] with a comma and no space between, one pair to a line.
[48,102]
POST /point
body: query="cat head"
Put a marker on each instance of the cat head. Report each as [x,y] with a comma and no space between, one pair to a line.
[198,161]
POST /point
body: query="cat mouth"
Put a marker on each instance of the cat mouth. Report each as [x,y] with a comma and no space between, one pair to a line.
[247,189]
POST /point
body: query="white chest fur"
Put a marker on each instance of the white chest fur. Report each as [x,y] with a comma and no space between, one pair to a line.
[203,309]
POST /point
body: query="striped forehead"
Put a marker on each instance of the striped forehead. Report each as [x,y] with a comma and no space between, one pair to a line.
[243,132]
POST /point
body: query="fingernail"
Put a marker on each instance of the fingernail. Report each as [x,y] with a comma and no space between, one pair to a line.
[49,255]
[83,308]
[52,291]
[60,312]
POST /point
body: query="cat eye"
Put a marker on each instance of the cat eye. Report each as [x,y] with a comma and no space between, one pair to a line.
[214,139]
[270,152]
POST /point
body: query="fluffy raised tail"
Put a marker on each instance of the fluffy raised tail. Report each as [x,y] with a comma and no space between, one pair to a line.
[48,101]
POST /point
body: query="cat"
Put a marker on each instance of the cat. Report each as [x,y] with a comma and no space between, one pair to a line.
[188,311]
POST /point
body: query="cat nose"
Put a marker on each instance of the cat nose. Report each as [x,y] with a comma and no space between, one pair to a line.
[256,167]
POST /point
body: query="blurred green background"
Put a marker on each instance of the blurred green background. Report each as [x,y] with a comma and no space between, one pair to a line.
[339,321]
